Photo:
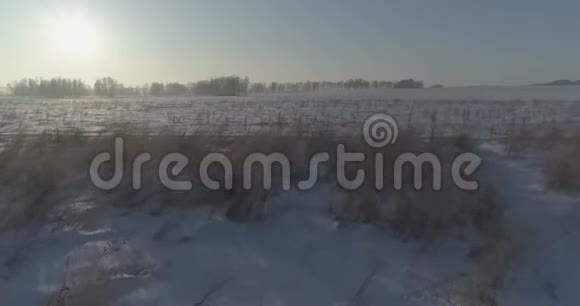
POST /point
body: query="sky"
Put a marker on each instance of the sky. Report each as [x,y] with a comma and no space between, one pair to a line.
[450,42]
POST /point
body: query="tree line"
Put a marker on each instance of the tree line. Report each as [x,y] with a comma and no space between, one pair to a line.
[351,84]
[559,83]
[221,86]
[53,88]
[69,88]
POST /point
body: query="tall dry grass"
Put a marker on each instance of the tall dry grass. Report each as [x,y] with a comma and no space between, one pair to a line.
[32,169]
[42,171]
[425,213]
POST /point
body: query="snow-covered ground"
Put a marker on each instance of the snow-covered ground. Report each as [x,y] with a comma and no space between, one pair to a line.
[297,255]
[482,112]
[548,272]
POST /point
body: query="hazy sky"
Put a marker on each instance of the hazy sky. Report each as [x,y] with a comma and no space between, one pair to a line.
[453,42]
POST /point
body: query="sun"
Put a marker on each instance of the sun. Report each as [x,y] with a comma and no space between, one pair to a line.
[74,35]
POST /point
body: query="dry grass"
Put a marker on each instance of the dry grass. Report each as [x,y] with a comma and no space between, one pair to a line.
[428,214]
[553,137]
[31,170]
[519,141]
[425,213]
[559,147]
[360,206]
[562,170]
[40,172]
[46,170]
[494,262]
[537,138]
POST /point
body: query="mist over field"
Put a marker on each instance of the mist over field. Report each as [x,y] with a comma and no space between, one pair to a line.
[284,153]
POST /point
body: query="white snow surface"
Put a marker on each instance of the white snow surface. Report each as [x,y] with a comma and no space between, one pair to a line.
[548,272]
[297,256]
[478,111]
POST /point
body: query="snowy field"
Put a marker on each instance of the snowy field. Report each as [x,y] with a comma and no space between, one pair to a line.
[482,112]
[297,256]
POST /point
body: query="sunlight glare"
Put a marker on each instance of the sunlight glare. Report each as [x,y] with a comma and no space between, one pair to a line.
[73,35]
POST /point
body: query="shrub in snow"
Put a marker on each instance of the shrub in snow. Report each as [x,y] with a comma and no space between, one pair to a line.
[35,175]
[519,141]
[562,170]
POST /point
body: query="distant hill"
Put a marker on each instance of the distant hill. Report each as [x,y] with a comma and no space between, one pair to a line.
[559,83]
